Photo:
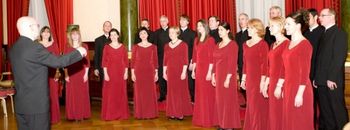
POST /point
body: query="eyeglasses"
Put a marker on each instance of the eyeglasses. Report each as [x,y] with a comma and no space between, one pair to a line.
[324,15]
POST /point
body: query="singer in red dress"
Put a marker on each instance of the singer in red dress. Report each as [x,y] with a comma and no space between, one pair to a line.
[254,75]
[276,72]
[204,112]
[297,90]
[115,68]
[178,101]
[225,79]
[46,40]
[144,73]
[77,85]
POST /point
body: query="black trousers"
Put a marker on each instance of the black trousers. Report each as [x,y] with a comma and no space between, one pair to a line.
[191,85]
[240,74]
[162,82]
[101,74]
[333,113]
[33,122]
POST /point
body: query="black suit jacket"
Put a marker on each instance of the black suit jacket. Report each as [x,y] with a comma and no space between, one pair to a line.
[215,34]
[29,61]
[188,36]
[100,42]
[314,38]
[161,37]
[331,57]
[241,37]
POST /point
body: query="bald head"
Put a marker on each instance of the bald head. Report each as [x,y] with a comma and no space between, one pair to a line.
[28,26]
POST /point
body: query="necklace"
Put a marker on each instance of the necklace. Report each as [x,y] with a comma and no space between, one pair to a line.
[174,42]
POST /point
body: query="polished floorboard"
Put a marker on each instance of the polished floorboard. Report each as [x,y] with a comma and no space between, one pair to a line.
[95,123]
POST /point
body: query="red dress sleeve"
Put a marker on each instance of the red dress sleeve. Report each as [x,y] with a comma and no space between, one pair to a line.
[87,57]
[184,53]
[105,56]
[194,53]
[244,60]
[282,69]
[155,57]
[232,58]
[263,56]
[211,46]
[133,56]
[304,62]
[125,57]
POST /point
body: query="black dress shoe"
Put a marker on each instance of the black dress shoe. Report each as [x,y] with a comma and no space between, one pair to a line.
[180,118]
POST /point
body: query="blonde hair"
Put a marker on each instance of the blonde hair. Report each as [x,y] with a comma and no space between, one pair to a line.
[258,25]
[70,40]
[176,29]
[278,20]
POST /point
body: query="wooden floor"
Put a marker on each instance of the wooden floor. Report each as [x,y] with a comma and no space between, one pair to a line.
[95,123]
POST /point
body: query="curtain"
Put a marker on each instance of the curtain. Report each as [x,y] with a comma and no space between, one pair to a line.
[60,15]
[1,37]
[202,9]
[294,5]
[195,9]
[15,10]
[37,10]
[258,8]
[153,9]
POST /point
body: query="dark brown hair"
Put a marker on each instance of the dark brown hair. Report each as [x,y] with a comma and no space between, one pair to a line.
[301,17]
[227,27]
[43,30]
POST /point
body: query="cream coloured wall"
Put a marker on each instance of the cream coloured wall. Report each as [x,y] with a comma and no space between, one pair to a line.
[91,14]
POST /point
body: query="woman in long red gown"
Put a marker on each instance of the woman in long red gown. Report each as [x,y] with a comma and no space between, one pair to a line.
[297,89]
[47,41]
[144,73]
[178,101]
[204,112]
[254,75]
[77,85]
[224,79]
[276,72]
[115,67]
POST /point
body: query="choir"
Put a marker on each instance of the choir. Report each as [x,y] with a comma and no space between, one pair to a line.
[200,74]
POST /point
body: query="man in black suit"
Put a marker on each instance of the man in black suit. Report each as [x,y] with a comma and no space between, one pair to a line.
[144,24]
[313,34]
[329,74]
[241,37]
[100,42]
[275,11]
[188,35]
[214,22]
[161,37]
[30,61]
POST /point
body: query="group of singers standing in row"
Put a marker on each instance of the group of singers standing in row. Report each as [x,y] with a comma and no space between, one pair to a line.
[202,68]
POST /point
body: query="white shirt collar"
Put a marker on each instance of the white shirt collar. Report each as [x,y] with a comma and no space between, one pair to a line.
[183,29]
[243,29]
[106,35]
[165,28]
[313,27]
[329,26]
